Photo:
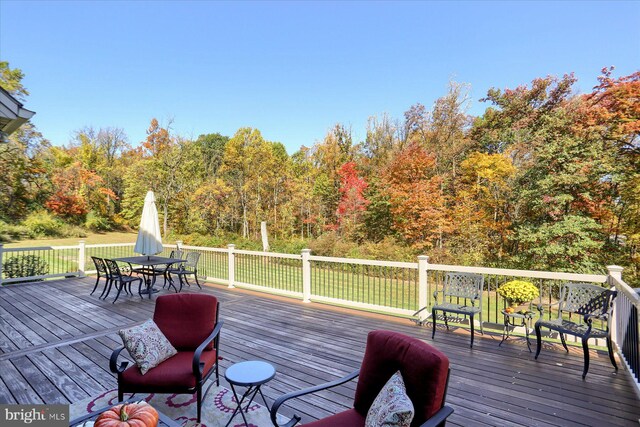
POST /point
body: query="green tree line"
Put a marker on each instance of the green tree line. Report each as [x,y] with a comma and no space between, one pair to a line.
[546,178]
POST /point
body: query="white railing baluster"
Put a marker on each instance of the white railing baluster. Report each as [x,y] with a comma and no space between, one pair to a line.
[306,275]
[81,258]
[423,286]
[232,265]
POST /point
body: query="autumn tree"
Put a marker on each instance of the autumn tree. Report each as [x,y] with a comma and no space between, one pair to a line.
[305,203]
[482,209]
[77,190]
[352,201]
[560,174]
[335,150]
[23,182]
[418,209]
[247,163]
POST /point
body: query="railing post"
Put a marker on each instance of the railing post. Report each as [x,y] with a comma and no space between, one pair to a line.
[615,271]
[81,258]
[1,255]
[306,275]
[423,286]
[232,265]
[179,245]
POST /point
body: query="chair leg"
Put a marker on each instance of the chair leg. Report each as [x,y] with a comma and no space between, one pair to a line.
[538,340]
[95,286]
[120,393]
[122,285]
[481,322]
[611,357]
[217,374]
[585,350]
[472,329]
[107,288]
[106,284]
[564,343]
[433,321]
[195,275]
[199,402]
[169,281]
[446,323]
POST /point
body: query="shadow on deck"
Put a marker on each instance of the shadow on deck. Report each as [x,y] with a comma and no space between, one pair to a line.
[55,341]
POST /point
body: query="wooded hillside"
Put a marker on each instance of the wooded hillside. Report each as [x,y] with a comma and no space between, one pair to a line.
[545,178]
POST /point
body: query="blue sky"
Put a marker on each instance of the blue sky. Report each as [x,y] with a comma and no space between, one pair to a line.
[293,69]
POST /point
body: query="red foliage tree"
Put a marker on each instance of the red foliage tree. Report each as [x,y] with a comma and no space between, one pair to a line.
[352,201]
[76,188]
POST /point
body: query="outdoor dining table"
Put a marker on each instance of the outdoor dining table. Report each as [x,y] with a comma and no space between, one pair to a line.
[147,263]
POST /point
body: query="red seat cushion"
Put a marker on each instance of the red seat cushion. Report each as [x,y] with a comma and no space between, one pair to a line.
[350,418]
[174,373]
[423,367]
[186,319]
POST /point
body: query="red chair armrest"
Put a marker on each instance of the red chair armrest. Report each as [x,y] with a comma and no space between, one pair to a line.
[279,401]
[197,365]
[438,418]
[113,362]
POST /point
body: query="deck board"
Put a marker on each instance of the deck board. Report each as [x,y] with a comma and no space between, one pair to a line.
[56,339]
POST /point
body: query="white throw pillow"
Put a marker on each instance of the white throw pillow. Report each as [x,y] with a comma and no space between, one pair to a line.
[392,407]
[147,345]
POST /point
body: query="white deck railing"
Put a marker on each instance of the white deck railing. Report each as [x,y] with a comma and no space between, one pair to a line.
[398,288]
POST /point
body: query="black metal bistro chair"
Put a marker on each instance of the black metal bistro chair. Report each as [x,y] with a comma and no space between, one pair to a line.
[190,266]
[589,302]
[120,280]
[461,294]
[164,270]
[101,272]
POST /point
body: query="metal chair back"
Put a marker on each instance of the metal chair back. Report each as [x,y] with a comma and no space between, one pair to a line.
[464,285]
[114,270]
[585,298]
[176,254]
[101,268]
[192,260]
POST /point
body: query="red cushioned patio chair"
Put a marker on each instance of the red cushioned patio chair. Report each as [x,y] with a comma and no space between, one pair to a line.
[190,323]
[425,371]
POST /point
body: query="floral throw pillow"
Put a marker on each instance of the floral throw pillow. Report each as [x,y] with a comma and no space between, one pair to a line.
[392,407]
[147,345]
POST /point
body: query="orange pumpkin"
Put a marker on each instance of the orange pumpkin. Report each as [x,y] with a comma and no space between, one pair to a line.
[131,415]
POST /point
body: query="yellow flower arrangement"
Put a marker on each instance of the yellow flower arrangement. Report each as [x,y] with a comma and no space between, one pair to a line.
[518,291]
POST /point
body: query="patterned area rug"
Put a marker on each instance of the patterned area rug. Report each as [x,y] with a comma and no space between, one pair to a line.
[217,408]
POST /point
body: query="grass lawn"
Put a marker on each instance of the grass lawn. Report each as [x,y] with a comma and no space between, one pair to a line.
[92,238]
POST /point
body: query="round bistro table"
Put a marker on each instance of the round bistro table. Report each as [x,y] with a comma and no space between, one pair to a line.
[251,374]
[510,320]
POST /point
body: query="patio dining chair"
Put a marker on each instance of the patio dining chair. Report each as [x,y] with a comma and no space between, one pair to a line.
[101,272]
[168,281]
[589,302]
[121,280]
[461,294]
[190,266]
[424,370]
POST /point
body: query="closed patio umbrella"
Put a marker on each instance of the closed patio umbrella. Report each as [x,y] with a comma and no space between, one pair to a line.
[149,240]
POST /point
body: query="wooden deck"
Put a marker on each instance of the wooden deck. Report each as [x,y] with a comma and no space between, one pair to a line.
[55,341]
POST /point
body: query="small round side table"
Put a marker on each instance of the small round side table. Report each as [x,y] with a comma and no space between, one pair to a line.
[510,321]
[251,374]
